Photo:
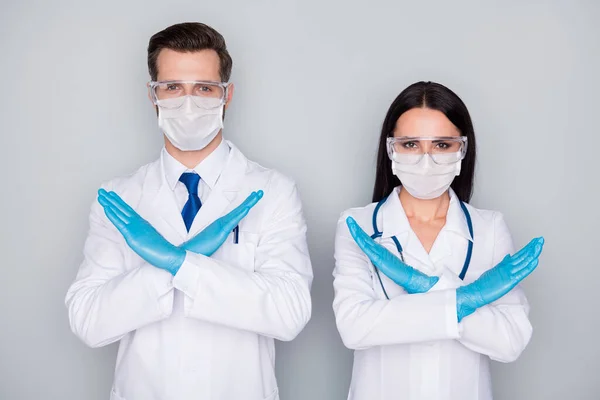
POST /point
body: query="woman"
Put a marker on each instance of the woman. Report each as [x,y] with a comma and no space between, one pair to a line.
[425,290]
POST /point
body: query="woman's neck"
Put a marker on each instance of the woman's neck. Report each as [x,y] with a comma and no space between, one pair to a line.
[424,210]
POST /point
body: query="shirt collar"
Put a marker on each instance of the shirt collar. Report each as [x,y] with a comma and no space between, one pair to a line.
[395,222]
[209,169]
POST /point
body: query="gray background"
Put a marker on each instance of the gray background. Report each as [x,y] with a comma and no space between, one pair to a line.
[314,80]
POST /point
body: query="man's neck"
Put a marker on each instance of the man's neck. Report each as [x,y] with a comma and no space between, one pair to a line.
[192,158]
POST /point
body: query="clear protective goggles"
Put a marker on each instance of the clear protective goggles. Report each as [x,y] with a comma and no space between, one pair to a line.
[443,150]
[172,94]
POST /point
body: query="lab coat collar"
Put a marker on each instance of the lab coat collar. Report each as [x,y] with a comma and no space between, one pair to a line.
[456,220]
[395,222]
[209,169]
[393,217]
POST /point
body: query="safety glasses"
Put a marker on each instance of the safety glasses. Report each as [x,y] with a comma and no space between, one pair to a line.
[172,94]
[443,150]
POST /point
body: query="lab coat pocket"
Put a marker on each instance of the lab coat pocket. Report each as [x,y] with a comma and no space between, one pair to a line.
[240,254]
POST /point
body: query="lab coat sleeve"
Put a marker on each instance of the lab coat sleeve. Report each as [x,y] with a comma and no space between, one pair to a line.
[106,301]
[272,296]
[364,320]
[500,330]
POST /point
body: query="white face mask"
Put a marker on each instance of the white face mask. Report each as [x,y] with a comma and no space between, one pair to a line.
[190,127]
[426,180]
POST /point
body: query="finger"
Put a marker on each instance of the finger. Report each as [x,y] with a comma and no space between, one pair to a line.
[526,264]
[533,254]
[524,252]
[369,247]
[531,245]
[538,248]
[238,213]
[233,218]
[356,231]
[117,222]
[123,206]
[363,240]
[107,204]
[114,203]
[525,256]
[524,273]
[252,199]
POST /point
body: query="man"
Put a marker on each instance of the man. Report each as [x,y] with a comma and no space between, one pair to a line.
[197,261]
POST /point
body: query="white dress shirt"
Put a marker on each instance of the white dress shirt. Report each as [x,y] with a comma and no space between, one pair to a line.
[209,170]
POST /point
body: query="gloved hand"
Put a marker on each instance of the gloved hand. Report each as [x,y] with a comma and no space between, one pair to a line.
[498,281]
[412,280]
[140,235]
[212,237]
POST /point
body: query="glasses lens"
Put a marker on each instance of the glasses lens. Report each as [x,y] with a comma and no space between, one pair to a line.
[407,146]
[446,146]
[172,94]
[447,151]
[208,103]
[407,159]
[446,158]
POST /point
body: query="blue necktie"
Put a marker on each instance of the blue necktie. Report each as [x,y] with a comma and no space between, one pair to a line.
[191,207]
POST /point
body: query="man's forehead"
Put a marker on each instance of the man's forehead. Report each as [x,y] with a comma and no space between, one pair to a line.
[196,65]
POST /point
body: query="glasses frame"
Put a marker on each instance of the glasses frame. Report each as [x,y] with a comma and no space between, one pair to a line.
[391,141]
[153,84]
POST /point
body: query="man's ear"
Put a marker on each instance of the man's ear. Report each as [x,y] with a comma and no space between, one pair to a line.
[230,90]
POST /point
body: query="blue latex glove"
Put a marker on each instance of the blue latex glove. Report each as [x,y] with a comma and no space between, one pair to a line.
[498,281]
[213,236]
[412,280]
[140,235]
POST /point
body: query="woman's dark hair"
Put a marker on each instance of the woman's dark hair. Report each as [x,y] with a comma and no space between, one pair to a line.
[436,97]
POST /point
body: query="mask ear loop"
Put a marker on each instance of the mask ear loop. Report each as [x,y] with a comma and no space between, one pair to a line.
[458,167]
[222,114]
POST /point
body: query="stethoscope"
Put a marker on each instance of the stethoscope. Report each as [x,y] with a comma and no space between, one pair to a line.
[378,234]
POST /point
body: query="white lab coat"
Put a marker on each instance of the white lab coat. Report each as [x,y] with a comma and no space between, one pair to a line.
[411,347]
[208,332]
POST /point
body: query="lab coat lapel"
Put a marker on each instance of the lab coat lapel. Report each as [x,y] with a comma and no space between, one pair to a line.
[414,248]
[159,206]
[221,198]
[395,223]
[454,235]
[441,248]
